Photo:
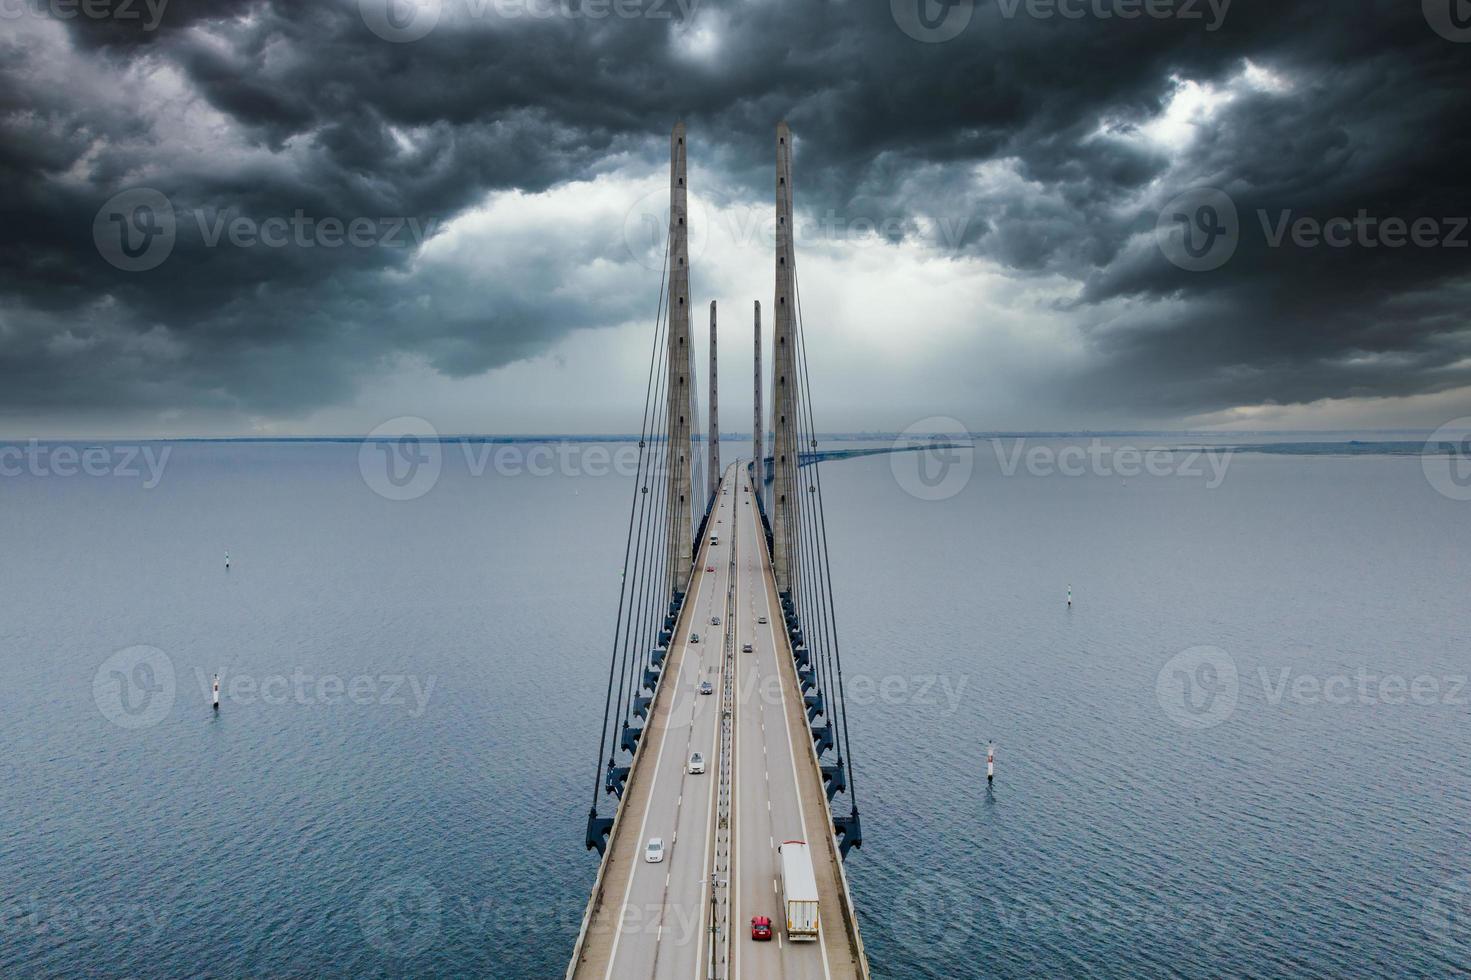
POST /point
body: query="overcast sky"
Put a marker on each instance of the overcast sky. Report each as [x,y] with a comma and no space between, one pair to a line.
[312,217]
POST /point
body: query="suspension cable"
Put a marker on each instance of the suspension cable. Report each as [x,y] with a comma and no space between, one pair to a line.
[827,557]
[623,585]
[652,554]
[641,559]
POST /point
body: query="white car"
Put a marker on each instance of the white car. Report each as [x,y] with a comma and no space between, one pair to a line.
[654,852]
[761,620]
[697,764]
[694,638]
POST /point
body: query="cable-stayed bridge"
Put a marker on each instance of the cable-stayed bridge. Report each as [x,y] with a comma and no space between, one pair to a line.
[724,789]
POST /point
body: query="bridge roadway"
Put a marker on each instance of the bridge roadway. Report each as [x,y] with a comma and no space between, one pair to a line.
[653,919]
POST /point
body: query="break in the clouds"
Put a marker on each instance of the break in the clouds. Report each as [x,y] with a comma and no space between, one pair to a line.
[290,217]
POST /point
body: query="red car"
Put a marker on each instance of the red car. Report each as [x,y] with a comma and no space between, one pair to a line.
[709,568]
[761,928]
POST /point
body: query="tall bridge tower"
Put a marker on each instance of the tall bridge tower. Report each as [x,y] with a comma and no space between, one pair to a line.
[714,411]
[681,534]
[784,448]
[758,424]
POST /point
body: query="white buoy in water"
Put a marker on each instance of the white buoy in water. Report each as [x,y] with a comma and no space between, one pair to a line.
[990,763]
[1070,597]
[227,559]
[217,692]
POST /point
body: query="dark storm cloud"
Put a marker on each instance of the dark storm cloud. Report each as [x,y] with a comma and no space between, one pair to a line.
[1027,126]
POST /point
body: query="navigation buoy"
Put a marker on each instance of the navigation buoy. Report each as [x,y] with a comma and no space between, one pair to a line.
[217,692]
[227,559]
[1070,597]
[990,763]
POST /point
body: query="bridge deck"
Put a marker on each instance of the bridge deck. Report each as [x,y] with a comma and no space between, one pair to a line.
[653,920]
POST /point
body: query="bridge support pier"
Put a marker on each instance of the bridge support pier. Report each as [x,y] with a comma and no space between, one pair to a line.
[784,383]
[714,416]
[849,831]
[758,424]
[618,778]
[681,406]
[598,829]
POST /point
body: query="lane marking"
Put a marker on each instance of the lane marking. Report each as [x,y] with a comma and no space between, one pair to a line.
[792,755]
[710,831]
[653,796]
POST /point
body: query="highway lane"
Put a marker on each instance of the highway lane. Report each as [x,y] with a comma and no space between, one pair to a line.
[662,930]
[768,806]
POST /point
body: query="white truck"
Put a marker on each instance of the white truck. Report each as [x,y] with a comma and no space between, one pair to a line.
[798,890]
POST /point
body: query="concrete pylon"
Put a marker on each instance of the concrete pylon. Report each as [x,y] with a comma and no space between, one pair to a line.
[681,550]
[714,414]
[784,380]
[758,424]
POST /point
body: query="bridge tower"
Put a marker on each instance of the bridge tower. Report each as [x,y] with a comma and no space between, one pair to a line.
[714,412]
[784,448]
[758,424]
[681,540]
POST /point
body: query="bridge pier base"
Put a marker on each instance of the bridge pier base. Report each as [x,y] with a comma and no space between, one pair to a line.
[598,829]
[849,831]
[617,778]
[836,779]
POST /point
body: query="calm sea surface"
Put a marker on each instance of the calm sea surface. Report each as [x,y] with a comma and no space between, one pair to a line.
[1242,752]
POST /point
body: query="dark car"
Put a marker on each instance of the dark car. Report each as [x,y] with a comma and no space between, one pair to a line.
[761,928]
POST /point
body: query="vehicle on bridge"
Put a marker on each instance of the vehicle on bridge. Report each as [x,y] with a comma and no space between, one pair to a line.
[697,764]
[799,890]
[706,688]
[715,538]
[761,620]
[654,851]
[714,620]
[761,928]
[745,648]
[694,638]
